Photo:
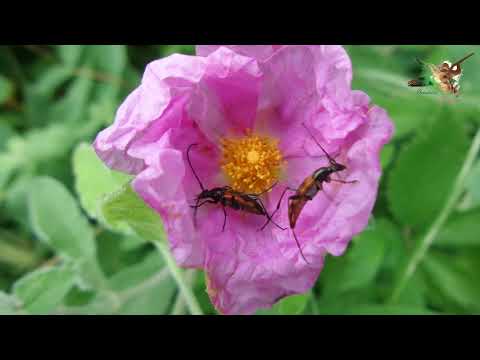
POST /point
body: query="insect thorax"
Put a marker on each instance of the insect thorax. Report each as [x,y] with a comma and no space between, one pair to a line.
[323,174]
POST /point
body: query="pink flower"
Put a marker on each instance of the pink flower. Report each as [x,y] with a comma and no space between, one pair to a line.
[244,106]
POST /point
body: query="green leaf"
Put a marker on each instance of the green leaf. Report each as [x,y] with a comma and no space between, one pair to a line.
[16,200]
[374,309]
[347,299]
[40,145]
[177,49]
[457,282]
[16,253]
[57,94]
[414,293]
[395,251]
[6,89]
[152,297]
[6,132]
[8,304]
[111,254]
[462,229]
[103,303]
[137,273]
[72,107]
[70,54]
[57,220]
[45,86]
[42,290]
[78,297]
[93,180]
[290,305]
[125,208]
[91,275]
[293,305]
[386,155]
[360,265]
[108,63]
[143,288]
[131,242]
[425,172]
[108,58]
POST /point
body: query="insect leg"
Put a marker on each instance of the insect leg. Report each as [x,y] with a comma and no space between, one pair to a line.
[196,206]
[275,211]
[344,182]
[265,191]
[195,213]
[301,197]
[269,217]
[224,218]
[299,248]
[281,198]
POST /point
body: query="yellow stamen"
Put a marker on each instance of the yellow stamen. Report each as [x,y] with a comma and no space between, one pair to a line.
[251,163]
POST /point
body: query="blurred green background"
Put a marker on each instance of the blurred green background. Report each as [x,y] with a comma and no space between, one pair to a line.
[67,246]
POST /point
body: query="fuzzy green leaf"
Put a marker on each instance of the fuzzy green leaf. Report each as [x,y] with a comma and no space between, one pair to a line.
[359,266]
[461,230]
[125,208]
[290,305]
[57,219]
[6,89]
[456,278]
[8,304]
[425,171]
[42,290]
[93,180]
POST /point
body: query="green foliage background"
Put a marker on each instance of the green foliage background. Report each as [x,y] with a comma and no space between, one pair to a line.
[75,240]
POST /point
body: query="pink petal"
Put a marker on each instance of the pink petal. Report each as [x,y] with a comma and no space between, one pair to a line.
[225,102]
[164,82]
[258,52]
[248,269]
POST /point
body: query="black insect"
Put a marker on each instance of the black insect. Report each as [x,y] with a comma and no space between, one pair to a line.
[228,197]
[309,188]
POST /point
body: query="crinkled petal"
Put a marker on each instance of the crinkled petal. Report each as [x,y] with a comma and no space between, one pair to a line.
[258,52]
[247,269]
[164,82]
[333,69]
[225,102]
[288,96]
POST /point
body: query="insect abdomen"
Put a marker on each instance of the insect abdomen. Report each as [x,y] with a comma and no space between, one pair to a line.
[294,210]
[238,202]
[308,188]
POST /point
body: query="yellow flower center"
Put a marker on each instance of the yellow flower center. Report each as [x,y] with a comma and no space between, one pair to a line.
[251,163]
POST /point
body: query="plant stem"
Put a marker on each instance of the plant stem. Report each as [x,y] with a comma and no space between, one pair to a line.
[432,233]
[145,285]
[179,305]
[177,275]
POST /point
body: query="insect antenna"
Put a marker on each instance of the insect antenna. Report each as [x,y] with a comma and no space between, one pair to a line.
[462,60]
[330,159]
[299,248]
[190,163]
